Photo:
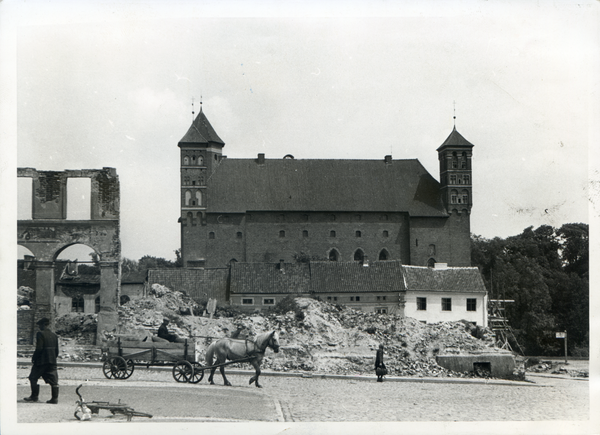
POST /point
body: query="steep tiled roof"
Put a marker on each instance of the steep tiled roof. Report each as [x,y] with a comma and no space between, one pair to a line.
[240,185]
[269,278]
[454,279]
[199,284]
[455,138]
[349,277]
[201,132]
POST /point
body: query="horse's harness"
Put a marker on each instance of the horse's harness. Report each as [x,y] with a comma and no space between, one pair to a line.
[252,353]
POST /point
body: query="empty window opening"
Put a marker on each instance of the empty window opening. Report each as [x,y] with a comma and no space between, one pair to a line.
[211,235]
[482,369]
[24,202]
[386,233]
[304,233]
[78,198]
[77,304]
[331,233]
[359,255]
[446,304]
[358,234]
[471,304]
[333,255]
[421,304]
[282,233]
[384,255]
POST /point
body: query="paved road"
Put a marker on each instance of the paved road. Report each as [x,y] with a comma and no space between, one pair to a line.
[285,399]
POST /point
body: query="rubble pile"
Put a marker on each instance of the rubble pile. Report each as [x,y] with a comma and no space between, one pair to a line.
[25,298]
[325,339]
[78,327]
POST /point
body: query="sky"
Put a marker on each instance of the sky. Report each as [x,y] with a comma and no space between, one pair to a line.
[107,85]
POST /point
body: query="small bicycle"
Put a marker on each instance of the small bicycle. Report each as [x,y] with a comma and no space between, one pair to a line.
[85,409]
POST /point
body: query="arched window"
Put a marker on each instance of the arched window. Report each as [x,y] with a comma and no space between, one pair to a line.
[77,305]
[454,160]
[431,263]
[465,197]
[463,160]
[334,255]
[386,233]
[359,255]
[186,160]
[304,233]
[211,235]
[193,160]
[358,234]
[188,197]
[331,233]
[233,260]
[198,197]
[282,233]
[190,218]
[453,197]
[384,255]
[200,160]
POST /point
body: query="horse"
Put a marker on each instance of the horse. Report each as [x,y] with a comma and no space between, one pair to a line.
[233,349]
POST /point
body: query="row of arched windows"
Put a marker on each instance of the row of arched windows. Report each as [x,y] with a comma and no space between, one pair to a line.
[193,199]
[456,198]
[460,179]
[193,161]
[359,255]
[459,161]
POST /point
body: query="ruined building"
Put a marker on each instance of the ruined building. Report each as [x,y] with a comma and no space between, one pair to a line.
[48,233]
[272,210]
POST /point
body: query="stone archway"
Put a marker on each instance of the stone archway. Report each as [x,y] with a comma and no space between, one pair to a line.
[48,232]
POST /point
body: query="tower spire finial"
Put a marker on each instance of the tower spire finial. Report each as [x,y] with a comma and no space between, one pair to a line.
[455,114]
[200,102]
[192,109]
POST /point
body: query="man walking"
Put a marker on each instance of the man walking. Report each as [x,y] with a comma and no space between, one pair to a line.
[380,369]
[44,362]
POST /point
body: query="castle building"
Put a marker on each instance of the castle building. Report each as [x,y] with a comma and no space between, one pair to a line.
[272,210]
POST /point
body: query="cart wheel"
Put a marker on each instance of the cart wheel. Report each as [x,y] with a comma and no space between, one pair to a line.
[121,369]
[198,374]
[183,371]
[107,369]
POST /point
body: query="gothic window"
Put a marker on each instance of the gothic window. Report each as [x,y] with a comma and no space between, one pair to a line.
[334,255]
[454,160]
[384,255]
[77,305]
[359,255]
[188,197]
[193,160]
[199,197]
[358,234]
[186,160]
[465,197]
[331,233]
[454,197]
[200,161]
[211,235]
[452,179]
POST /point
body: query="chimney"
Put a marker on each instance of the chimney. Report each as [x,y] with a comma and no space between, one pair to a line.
[261,159]
[388,160]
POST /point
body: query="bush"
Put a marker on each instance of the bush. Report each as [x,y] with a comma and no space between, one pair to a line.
[286,305]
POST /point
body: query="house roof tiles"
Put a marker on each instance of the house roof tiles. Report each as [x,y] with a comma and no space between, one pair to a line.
[452,279]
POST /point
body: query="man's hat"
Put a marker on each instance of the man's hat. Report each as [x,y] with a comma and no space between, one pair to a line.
[43,321]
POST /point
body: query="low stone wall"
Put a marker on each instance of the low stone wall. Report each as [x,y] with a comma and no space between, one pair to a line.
[499,365]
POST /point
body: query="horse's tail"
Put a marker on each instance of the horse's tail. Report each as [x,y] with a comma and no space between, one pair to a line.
[209,354]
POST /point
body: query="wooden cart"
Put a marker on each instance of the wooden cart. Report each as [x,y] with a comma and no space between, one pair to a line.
[121,357]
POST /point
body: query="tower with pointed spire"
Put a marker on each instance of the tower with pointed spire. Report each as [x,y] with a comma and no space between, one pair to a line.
[455,173]
[200,152]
